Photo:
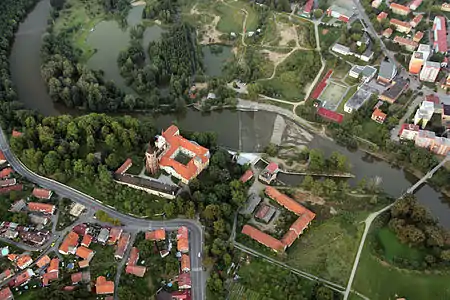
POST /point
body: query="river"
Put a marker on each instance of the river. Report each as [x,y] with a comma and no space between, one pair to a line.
[246,131]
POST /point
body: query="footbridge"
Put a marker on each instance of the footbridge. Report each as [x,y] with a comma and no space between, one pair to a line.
[427,176]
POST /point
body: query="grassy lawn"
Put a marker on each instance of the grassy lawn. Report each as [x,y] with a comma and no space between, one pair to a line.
[380,281]
[78,19]
[287,89]
[347,96]
[103,263]
[326,249]
[230,18]
[394,249]
[271,35]
[279,104]
[327,36]
[239,292]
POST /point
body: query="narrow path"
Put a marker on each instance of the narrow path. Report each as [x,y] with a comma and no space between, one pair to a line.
[121,264]
[244,25]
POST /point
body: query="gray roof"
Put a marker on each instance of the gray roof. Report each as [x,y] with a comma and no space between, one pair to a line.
[369,71]
[387,69]
[359,98]
[394,91]
[148,183]
[341,10]
[103,235]
[252,203]
[340,48]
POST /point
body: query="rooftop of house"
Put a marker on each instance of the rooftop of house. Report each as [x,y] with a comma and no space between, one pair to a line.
[440,31]
[183,232]
[54,265]
[42,207]
[286,201]
[76,277]
[102,286]
[184,280]
[2,156]
[114,235]
[23,261]
[382,15]
[378,114]
[396,6]
[246,176]
[395,90]
[136,270]
[122,244]
[43,261]
[414,4]
[6,294]
[265,212]
[397,22]
[185,262]
[87,239]
[133,257]
[124,167]
[417,19]
[84,253]
[175,141]
[23,277]
[42,193]
[156,235]
[71,240]
[388,32]
[418,36]
[405,41]
[183,244]
[263,238]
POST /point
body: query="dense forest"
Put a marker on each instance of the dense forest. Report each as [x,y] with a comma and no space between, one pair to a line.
[164,10]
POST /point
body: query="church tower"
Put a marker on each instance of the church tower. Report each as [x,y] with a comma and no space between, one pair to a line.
[151,160]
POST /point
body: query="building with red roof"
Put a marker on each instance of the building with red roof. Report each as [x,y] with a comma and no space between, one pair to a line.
[6,172]
[184,281]
[136,270]
[122,245]
[16,133]
[85,253]
[124,167]
[440,34]
[416,20]
[70,243]
[76,277]
[378,116]
[43,261]
[42,193]
[387,32]
[183,245]
[23,261]
[133,257]
[418,36]
[6,294]
[7,189]
[246,176]
[156,235]
[114,235]
[2,158]
[183,232]
[8,182]
[54,266]
[176,155]
[321,85]
[381,16]
[330,115]
[415,4]
[104,287]
[5,275]
[185,263]
[407,43]
[285,201]
[401,26]
[86,241]
[181,295]
[23,277]
[41,207]
[400,9]
[269,173]
[307,8]
[48,277]
[263,238]
[83,264]
[81,229]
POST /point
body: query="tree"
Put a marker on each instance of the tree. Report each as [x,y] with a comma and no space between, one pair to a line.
[316,160]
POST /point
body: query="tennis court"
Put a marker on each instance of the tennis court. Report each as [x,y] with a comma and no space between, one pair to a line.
[332,95]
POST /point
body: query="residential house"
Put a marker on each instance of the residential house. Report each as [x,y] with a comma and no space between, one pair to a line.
[104,287]
[16,133]
[183,245]
[23,261]
[418,36]
[184,281]
[430,71]
[387,72]
[387,32]
[135,270]
[416,62]
[263,238]
[378,116]
[54,266]
[114,235]
[124,167]
[103,235]
[23,277]
[246,176]
[41,207]
[48,277]
[85,253]
[86,241]
[2,158]
[381,16]
[181,295]
[414,22]
[156,235]
[307,8]
[409,44]
[133,257]
[122,245]
[76,277]
[42,193]
[6,294]
[8,182]
[82,229]
[32,237]
[440,34]
[269,173]
[183,232]
[185,263]
[83,264]
[43,261]
[401,26]
[5,275]
[340,13]
[4,173]
[441,146]
[445,7]
[400,9]
[70,243]
[393,92]
[415,4]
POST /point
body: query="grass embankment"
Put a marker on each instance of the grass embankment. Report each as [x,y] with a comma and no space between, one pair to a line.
[327,36]
[350,92]
[379,280]
[232,16]
[79,18]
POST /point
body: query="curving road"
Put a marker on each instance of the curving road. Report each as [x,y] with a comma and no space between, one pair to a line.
[132,223]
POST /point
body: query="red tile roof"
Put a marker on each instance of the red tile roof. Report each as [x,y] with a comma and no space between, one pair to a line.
[87,239]
[175,141]
[122,245]
[136,270]
[411,127]
[47,277]
[247,176]
[183,245]
[185,263]
[418,36]
[80,229]
[330,115]
[440,32]
[184,281]
[84,253]
[397,6]
[43,261]
[124,167]
[54,265]
[83,263]
[387,32]
[6,275]
[289,238]
[6,172]
[181,295]
[382,15]
[6,294]
[2,156]
[16,133]
[302,222]
[286,201]
[183,232]
[76,277]
[23,277]
[262,211]
[70,241]
[415,4]
[41,207]
[114,235]
[272,167]
[322,84]
[399,23]
[308,6]
[134,256]
[24,261]
[156,235]
[406,42]
[263,238]
[69,288]
[7,189]
[8,182]
[378,115]
[42,193]
[102,286]
[416,20]
[433,98]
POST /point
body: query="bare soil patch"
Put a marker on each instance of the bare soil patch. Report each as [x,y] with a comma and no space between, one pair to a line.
[273,56]
[287,33]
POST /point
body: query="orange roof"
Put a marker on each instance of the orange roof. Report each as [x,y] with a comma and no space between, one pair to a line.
[185,263]
[16,133]
[134,256]
[84,253]
[124,167]
[175,141]
[69,288]
[183,232]
[41,207]
[54,265]
[23,277]
[156,235]
[42,193]
[5,172]
[379,115]
[387,32]
[114,235]
[71,240]
[6,294]
[417,19]
[102,286]
[76,277]
[397,22]
[136,270]
[47,277]
[382,15]
[302,222]
[2,156]
[24,261]
[183,245]
[12,256]
[285,201]
[405,41]
[247,176]
[122,245]
[289,238]
[83,263]
[43,261]
[397,6]
[263,238]
[87,239]
[418,36]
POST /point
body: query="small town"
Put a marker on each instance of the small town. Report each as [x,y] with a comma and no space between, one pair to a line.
[224,149]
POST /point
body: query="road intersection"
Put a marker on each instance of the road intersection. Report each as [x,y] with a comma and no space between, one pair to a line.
[130,223]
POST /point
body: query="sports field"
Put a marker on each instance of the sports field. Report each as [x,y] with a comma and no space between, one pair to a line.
[332,95]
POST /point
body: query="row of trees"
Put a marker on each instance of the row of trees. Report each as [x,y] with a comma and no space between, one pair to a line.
[165,10]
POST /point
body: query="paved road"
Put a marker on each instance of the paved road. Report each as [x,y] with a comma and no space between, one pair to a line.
[130,222]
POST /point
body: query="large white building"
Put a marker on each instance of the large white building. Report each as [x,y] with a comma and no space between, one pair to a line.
[430,71]
[424,113]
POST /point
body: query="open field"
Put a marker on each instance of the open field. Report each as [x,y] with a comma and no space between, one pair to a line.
[379,281]
[230,18]
[332,95]
[394,249]
[327,36]
[239,292]
[326,249]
